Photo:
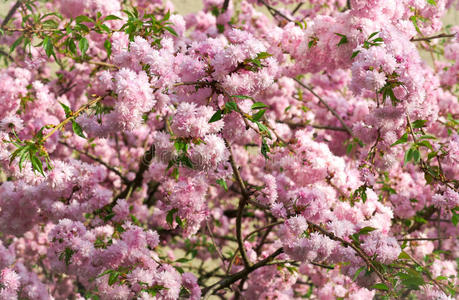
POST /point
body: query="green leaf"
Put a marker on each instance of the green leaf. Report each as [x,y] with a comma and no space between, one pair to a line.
[455,219]
[354,54]
[230,106]
[263,55]
[242,97]
[67,109]
[408,155]
[427,137]
[223,184]
[380,286]
[171,30]
[37,165]
[259,105]
[83,18]
[170,216]
[372,35]
[179,221]
[419,123]
[416,155]
[404,255]
[263,129]
[357,273]
[426,144]
[401,140]
[182,260]
[111,17]
[48,46]
[77,129]
[264,148]
[108,47]
[16,43]
[366,230]
[113,278]
[258,115]
[71,45]
[432,2]
[216,117]
[83,45]
[343,39]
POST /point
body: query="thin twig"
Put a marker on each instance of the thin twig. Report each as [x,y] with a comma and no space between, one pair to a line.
[423,239]
[273,11]
[95,158]
[226,282]
[72,116]
[356,249]
[297,8]
[329,108]
[438,36]
[225,6]
[242,203]
[215,244]
[11,13]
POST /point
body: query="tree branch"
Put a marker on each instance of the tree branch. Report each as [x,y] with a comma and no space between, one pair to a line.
[226,282]
[330,109]
[438,36]
[11,13]
[242,203]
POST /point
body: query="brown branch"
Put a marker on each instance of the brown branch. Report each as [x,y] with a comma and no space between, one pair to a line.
[73,116]
[11,13]
[329,108]
[95,158]
[423,239]
[137,182]
[359,252]
[225,5]
[297,8]
[438,36]
[273,11]
[242,203]
[226,282]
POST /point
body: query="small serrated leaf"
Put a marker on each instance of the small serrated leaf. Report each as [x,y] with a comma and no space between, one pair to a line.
[84,18]
[223,184]
[401,140]
[67,109]
[83,44]
[111,17]
[216,116]
[258,105]
[77,129]
[380,286]
[258,115]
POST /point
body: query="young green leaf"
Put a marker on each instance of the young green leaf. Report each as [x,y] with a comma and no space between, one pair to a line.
[108,47]
[111,17]
[419,123]
[258,115]
[83,18]
[223,184]
[230,106]
[216,116]
[380,286]
[401,140]
[77,129]
[258,105]
[67,109]
[83,44]
[170,216]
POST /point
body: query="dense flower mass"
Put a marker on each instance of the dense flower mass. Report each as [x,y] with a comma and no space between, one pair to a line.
[255,149]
